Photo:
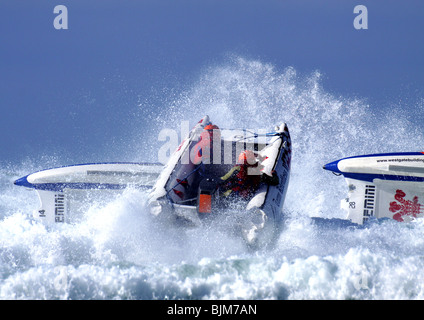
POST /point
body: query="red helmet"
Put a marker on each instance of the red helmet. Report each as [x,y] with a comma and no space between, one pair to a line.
[247,157]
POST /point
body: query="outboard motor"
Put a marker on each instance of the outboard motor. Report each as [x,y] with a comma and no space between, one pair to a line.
[207,188]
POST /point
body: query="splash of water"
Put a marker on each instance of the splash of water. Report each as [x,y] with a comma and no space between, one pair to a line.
[118,252]
[323,127]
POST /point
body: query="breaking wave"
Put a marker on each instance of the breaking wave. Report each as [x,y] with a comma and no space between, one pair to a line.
[117,252]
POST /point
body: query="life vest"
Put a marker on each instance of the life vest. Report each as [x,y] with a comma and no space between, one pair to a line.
[239,182]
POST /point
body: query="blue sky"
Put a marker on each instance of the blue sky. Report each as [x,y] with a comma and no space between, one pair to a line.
[59,88]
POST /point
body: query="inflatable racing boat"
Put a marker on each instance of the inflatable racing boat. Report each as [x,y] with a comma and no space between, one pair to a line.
[387,185]
[191,188]
[66,193]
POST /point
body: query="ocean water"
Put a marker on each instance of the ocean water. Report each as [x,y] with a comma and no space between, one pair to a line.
[117,251]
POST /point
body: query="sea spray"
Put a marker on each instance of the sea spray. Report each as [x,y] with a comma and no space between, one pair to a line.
[117,251]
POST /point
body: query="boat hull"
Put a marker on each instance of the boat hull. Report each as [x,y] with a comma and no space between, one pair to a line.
[66,192]
[388,185]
